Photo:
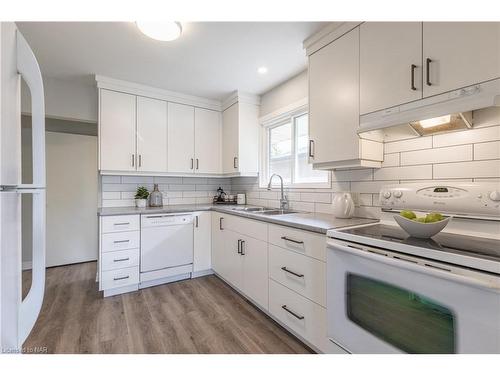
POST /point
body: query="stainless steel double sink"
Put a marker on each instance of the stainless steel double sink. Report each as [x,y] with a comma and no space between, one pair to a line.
[264,211]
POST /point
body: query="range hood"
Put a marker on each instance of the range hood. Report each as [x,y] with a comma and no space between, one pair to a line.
[459,101]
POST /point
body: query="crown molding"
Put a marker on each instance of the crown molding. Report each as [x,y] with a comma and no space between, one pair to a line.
[240,97]
[327,35]
[156,93]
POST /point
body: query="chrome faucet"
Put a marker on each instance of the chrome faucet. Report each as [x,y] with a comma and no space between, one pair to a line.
[283,199]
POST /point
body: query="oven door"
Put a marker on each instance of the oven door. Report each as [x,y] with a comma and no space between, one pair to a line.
[378,303]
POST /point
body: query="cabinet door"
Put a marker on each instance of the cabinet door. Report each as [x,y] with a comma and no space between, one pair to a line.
[233,260]
[230,139]
[255,270]
[117,131]
[207,141]
[202,242]
[180,138]
[334,100]
[461,54]
[390,64]
[151,135]
[217,244]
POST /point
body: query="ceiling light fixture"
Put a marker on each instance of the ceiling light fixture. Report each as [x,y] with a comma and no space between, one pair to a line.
[262,70]
[164,31]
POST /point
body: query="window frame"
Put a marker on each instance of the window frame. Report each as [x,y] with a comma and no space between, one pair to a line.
[274,122]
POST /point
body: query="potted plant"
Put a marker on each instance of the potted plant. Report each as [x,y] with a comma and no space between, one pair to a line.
[141,197]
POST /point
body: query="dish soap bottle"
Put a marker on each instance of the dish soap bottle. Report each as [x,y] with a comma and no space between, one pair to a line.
[156,197]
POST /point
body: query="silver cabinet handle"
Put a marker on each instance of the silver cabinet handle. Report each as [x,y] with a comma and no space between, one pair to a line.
[235,162]
[121,241]
[220,223]
[197,163]
[121,223]
[291,272]
[292,240]
[121,278]
[140,160]
[242,247]
[412,81]
[196,221]
[239,247]
[299,317]
[311,148]
[121,260]
[428,73]
[133,160]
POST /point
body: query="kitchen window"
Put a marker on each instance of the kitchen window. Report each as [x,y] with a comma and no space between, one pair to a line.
[285,152]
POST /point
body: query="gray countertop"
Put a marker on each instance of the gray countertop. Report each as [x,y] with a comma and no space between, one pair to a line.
[314,222]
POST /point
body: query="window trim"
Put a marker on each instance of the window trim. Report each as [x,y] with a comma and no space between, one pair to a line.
[269,123]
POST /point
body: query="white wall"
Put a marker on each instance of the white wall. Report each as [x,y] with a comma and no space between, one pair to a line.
[65,99]
[289,92]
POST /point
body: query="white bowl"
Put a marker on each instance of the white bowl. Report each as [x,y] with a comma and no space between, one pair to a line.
[421,230]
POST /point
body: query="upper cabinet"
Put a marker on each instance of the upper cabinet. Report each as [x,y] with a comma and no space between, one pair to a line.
[151,135]
[390,64]
[207,141]
[334,108]
[458,54]
[408,61]
[181,138]
[117,134]
[240,136]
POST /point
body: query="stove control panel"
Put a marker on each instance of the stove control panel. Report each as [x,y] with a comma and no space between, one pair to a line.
[472,199]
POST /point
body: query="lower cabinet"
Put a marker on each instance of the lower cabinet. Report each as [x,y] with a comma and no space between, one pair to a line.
[202,238]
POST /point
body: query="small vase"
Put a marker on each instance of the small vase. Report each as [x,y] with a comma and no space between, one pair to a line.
[156,197]
[141,203]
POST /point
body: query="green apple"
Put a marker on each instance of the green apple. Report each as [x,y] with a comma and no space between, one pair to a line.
[433,217]
[408,214]
[420,219]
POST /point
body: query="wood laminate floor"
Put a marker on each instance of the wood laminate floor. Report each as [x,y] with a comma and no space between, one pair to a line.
[202,315]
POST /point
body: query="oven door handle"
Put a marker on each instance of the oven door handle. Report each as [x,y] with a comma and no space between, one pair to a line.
[429,270]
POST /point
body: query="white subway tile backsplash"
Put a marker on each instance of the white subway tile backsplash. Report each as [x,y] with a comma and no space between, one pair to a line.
[316,197]
[323,208]
[137,180]
[119,187]
[403,173]
[181,200]
[488,150]
[167,180]
[269,195]
[111,195]
[391,160]
[302,206]
[353,175]
[471,169]
[365,200]
[370,186]
[194,180]
[181,187]
[111,179]
[468,136]
[437,155]
[128,195]
[408,145]
[194,194]
[118,203]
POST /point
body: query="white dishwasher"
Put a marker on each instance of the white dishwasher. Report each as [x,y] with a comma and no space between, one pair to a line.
[166,248]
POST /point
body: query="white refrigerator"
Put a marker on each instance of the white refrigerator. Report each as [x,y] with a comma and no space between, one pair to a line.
[18,315]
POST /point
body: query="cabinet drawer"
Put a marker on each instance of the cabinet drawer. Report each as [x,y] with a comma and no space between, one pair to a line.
[120,241]
[113,260]
[307,243]
[304,317]
[121,223]
[248,227]
[119,278]
[302,274]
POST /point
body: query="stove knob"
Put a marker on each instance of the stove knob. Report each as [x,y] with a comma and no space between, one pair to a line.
[398,194]
[495,196]
[386,194]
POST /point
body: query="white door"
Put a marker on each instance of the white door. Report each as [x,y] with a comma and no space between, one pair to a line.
[458,54]
[202,242]
[390,64]
[207,141]
[180,138]
[151,135]
[71,197]
[230,139]
[255,270]
[334,100]
[117,132]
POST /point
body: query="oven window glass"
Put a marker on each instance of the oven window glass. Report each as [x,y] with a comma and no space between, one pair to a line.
[406,320]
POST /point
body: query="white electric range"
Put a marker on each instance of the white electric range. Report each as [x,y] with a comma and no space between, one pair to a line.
[390,293]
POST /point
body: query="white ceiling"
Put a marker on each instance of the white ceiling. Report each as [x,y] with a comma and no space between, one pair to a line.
[210,59]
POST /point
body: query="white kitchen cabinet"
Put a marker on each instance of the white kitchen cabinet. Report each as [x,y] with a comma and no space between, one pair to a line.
[334,108]
[390,64]
[180,138]
[151,135]
[255,270]
[458,54]
[202,256]
[207,141]
[117,131]
[219,264]
[240,139]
